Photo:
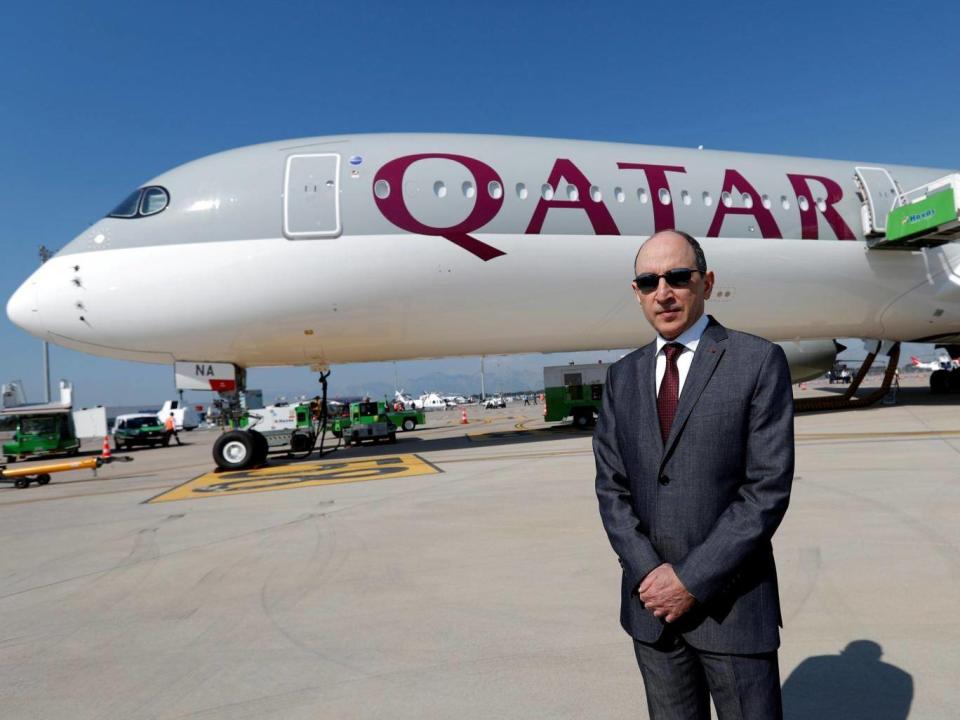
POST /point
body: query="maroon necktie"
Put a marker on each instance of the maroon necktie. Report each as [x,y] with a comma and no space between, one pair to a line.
[669,389]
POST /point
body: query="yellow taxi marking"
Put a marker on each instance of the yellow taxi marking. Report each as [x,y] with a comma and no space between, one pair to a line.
[299,475]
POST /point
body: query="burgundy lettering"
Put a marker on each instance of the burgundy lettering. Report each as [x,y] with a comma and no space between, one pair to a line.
[484,209]
[597,212]
[657,179]
[735,182]
[809,229]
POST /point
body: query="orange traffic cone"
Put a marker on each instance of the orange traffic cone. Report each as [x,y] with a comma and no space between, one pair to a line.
[106,448]
[463,417]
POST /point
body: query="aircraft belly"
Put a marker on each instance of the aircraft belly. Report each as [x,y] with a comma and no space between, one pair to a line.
[365,298]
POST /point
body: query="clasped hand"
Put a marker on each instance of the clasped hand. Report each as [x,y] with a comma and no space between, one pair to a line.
[664,595]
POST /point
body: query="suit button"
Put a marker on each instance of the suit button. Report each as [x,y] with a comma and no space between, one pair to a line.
[664,480]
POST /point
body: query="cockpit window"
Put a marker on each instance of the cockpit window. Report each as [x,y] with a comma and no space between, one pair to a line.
[142,202]
[128,208]
[154,200]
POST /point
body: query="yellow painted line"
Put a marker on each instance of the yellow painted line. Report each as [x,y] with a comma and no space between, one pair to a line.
[298,475]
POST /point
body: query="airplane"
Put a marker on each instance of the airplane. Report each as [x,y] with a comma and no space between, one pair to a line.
[356,248]
[943,362]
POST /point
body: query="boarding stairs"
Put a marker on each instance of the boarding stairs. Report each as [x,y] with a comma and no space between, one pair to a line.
[926,216]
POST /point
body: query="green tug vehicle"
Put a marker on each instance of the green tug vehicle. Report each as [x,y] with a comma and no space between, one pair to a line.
[372,420]
[38,432]
[573,391]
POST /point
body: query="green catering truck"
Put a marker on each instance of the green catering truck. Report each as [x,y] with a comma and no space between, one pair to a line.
[369,412]
[38,431]
[573,391]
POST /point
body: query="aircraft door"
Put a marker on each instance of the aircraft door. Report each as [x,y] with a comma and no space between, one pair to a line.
[879,192]
[311,196]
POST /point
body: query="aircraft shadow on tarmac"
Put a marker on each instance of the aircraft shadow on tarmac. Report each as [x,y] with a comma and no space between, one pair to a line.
[471,438]
[905,395]
[853,685]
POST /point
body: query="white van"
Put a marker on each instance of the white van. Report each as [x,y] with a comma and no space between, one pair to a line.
[185,417]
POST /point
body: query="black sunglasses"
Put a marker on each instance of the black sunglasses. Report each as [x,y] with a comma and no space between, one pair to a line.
[676,278]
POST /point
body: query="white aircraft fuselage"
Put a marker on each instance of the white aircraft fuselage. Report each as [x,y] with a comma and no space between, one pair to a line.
[382,247]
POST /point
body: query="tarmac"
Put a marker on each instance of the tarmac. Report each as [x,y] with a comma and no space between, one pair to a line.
[461,573]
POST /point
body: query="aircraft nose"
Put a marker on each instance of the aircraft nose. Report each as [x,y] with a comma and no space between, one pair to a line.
[23,308]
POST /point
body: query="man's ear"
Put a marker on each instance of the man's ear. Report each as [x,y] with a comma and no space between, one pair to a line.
[707,284]
[636,293]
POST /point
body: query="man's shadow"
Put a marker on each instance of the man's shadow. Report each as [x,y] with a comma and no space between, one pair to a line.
[854,685]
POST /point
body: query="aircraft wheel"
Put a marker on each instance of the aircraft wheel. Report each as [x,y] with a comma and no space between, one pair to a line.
[409,424]
[939,382]
[234,450]
[21,483]
[43,479]
[260,447]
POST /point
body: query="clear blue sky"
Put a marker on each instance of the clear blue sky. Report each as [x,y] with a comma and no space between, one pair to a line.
[99,97]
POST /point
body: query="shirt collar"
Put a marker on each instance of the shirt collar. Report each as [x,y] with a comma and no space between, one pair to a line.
[689,338]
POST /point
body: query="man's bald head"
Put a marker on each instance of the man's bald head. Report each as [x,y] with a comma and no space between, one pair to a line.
[699,259]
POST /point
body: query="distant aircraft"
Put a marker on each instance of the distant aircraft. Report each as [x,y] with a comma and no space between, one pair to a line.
[383,247]
[943,362]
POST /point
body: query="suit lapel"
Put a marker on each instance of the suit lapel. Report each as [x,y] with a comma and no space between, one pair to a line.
[647,382]
[705,359]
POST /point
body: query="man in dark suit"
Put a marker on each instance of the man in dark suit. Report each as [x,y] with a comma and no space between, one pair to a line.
[694,454]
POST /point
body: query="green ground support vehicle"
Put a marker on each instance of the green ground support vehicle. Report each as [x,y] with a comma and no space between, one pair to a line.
[367,413]
[573,391]
[37,432]
[130,430]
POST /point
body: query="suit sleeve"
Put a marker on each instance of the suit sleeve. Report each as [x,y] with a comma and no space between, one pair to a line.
[633,547]
[750,521]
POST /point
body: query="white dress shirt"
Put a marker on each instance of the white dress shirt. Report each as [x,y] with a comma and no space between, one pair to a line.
[689,338]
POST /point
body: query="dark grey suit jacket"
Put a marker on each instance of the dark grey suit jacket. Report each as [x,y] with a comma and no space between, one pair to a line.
[709,499]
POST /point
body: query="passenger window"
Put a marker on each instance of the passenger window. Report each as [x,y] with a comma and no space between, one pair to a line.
[154,200]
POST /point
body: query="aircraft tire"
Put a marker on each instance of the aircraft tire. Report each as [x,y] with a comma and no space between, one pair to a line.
[234,450]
